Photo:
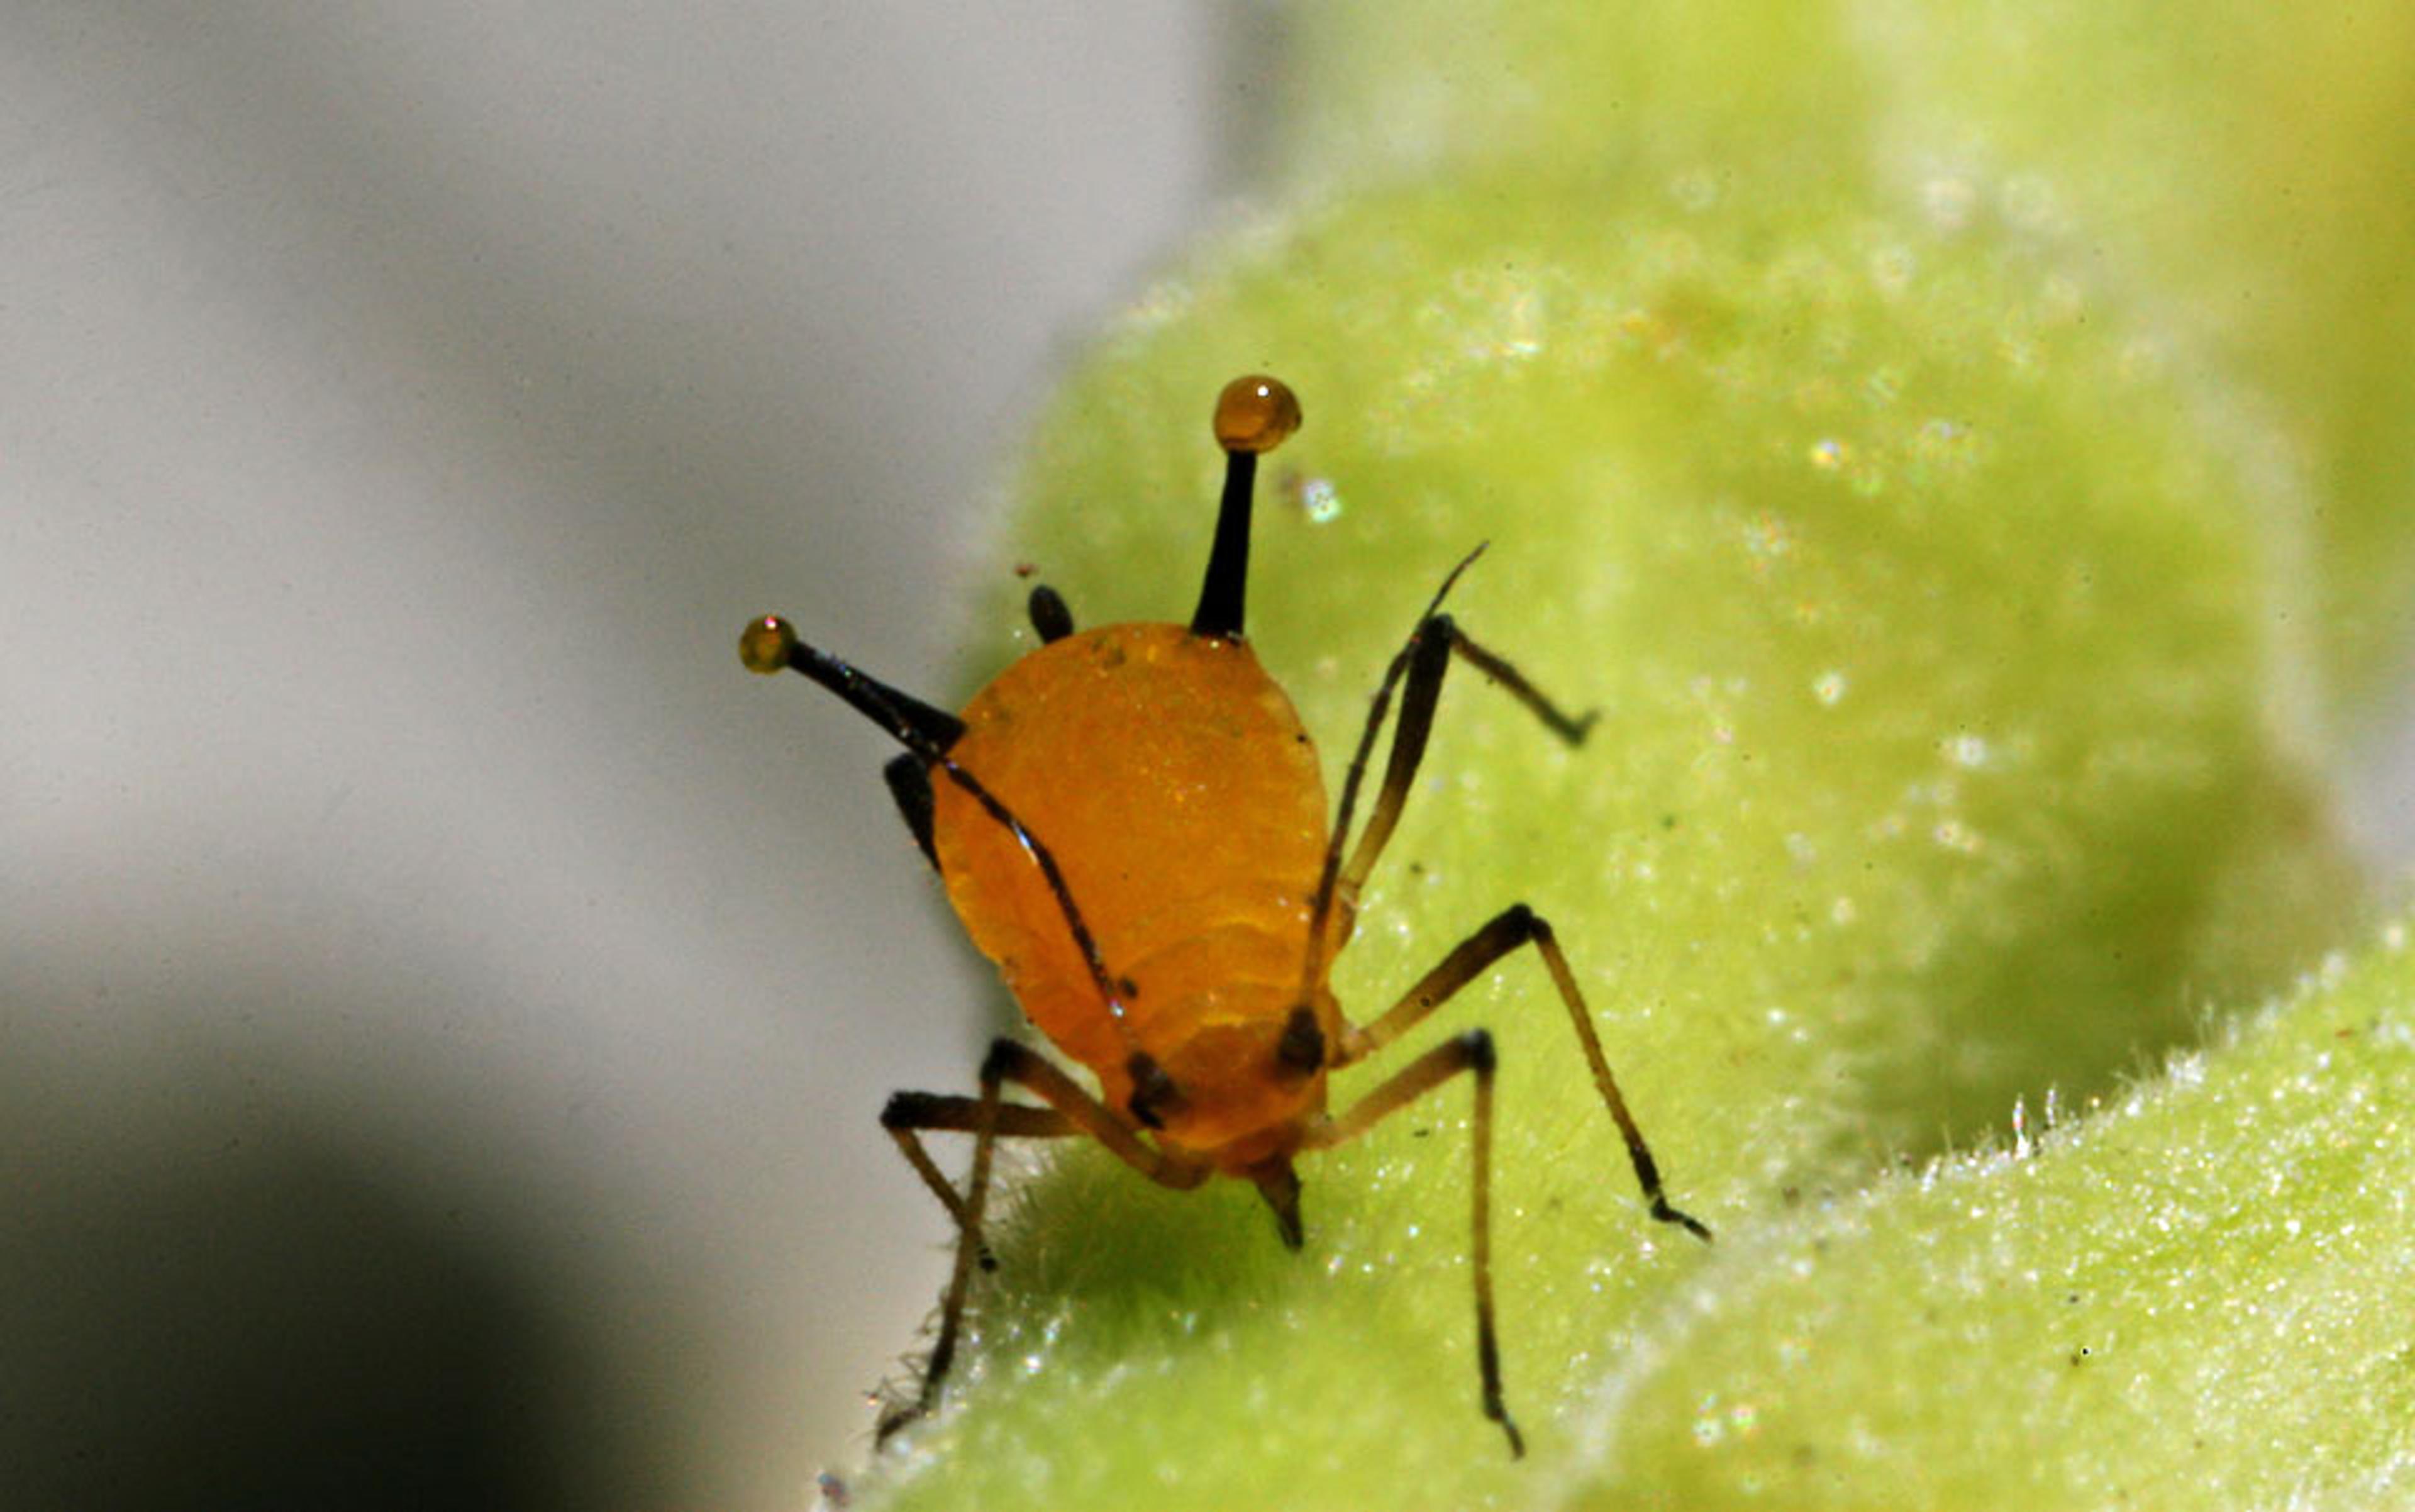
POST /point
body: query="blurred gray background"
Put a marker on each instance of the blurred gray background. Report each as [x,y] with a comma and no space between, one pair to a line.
[444,1000]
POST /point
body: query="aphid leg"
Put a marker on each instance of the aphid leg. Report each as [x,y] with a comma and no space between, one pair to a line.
[1428,654]
[986,1110]
[911,1114]
[1470,1051]
[1050,619]
[1512,927]
[987,1117]
[1571,730]
[909,777]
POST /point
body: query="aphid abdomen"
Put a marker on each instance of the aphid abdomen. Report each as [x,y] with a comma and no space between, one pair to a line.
[1173,780]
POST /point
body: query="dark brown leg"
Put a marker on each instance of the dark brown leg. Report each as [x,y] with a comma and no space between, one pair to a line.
[1418,672]
[1429,653]
[909,777]
[910,1115]
[1070,1111]
[1512,927]
[1469,1052]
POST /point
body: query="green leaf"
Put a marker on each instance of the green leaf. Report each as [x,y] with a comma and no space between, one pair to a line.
[2195,1299]
[1946,758]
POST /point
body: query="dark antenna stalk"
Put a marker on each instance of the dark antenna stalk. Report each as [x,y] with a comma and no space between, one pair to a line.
[1223,593]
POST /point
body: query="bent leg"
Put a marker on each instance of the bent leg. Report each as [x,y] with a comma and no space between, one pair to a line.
[1418,671]
[1070,1111]
[1508,930]
[1470,1051]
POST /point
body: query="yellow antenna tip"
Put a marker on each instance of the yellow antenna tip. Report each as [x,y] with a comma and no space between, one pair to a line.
[766,643]
[1255,413]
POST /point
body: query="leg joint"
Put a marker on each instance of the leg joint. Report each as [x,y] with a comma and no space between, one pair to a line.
[907,1110]
[1004,1059]
[1476,1047]
[1435,635]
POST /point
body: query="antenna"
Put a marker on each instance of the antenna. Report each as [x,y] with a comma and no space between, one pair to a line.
[1254,415]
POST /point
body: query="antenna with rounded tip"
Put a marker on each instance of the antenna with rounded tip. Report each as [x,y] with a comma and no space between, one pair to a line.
[1254,415]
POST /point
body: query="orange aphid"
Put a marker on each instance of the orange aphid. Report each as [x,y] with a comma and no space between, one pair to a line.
[1131,823]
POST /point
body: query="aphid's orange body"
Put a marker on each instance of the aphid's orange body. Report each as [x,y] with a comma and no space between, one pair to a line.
[1185,804]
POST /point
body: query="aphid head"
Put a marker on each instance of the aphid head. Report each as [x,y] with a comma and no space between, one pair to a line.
[1254,415]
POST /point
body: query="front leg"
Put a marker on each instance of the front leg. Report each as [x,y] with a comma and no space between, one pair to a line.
[1070,1111]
